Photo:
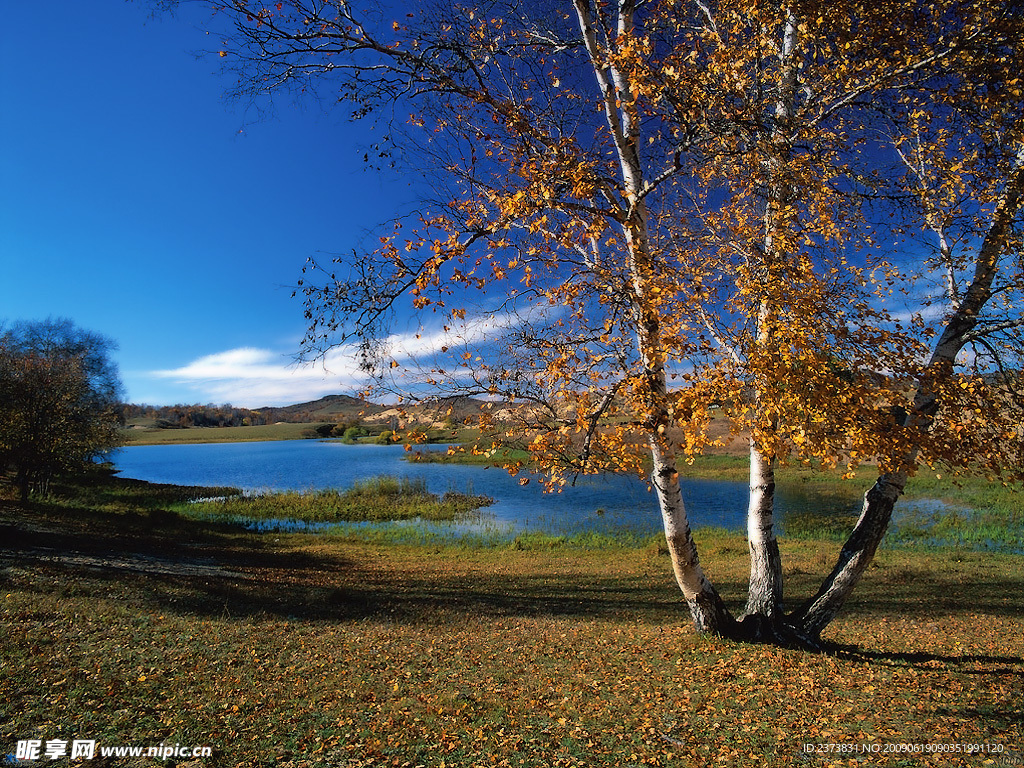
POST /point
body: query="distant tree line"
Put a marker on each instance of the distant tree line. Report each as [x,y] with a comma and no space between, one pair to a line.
[182,416]
[210,415]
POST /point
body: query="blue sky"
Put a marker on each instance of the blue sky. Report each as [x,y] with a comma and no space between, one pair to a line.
[139,203]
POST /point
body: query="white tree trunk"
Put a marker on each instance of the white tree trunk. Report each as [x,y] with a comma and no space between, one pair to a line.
[708,610]
[706,606]
[764,597]
[765,589]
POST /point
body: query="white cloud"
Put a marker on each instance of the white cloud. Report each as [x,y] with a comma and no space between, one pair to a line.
[410,347]
[927,313]
[253,377]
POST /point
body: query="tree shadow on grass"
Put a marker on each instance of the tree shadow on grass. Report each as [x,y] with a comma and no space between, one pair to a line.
[203,568]
[963,663]
[999,717]
[154,540]
[942,591]
[922,592]
[300,587]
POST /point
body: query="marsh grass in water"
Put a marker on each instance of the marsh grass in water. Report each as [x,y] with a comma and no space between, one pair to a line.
[378,499]
[935,511]
[98,489]
[465,455]
[936,523]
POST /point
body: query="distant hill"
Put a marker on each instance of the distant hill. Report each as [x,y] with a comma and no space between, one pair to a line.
[329,408]
[333,408]
[434,411]
[336,409]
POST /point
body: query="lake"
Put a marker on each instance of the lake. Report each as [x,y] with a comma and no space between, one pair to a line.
[606,504]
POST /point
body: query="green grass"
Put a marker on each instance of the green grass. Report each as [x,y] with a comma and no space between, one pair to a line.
[99,490]
[131,627]
[281,431]
[218,434]
[972,512]
[466,456]
[373,500]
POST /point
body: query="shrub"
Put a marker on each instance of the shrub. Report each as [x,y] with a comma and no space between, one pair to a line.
[354,433]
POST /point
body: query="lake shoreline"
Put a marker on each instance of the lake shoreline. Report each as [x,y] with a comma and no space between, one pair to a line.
[969,516]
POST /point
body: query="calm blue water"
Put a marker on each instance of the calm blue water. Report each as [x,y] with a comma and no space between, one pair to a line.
[602,503]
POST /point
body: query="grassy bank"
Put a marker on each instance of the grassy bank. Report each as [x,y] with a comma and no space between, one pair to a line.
[271,432]
[123,622]
[156,436]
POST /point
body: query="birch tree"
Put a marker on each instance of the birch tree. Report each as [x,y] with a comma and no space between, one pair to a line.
[680,204]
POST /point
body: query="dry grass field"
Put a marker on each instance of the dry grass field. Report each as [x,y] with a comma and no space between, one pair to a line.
[126,624]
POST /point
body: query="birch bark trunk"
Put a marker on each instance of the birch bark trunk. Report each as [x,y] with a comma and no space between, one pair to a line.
[879,501]
[855,556]
[706,606]
[764,597]
[765,586]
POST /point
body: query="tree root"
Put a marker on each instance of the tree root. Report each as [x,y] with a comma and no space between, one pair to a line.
[768,630]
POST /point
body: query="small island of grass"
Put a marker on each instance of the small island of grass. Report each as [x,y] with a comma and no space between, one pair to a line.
[378,499]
